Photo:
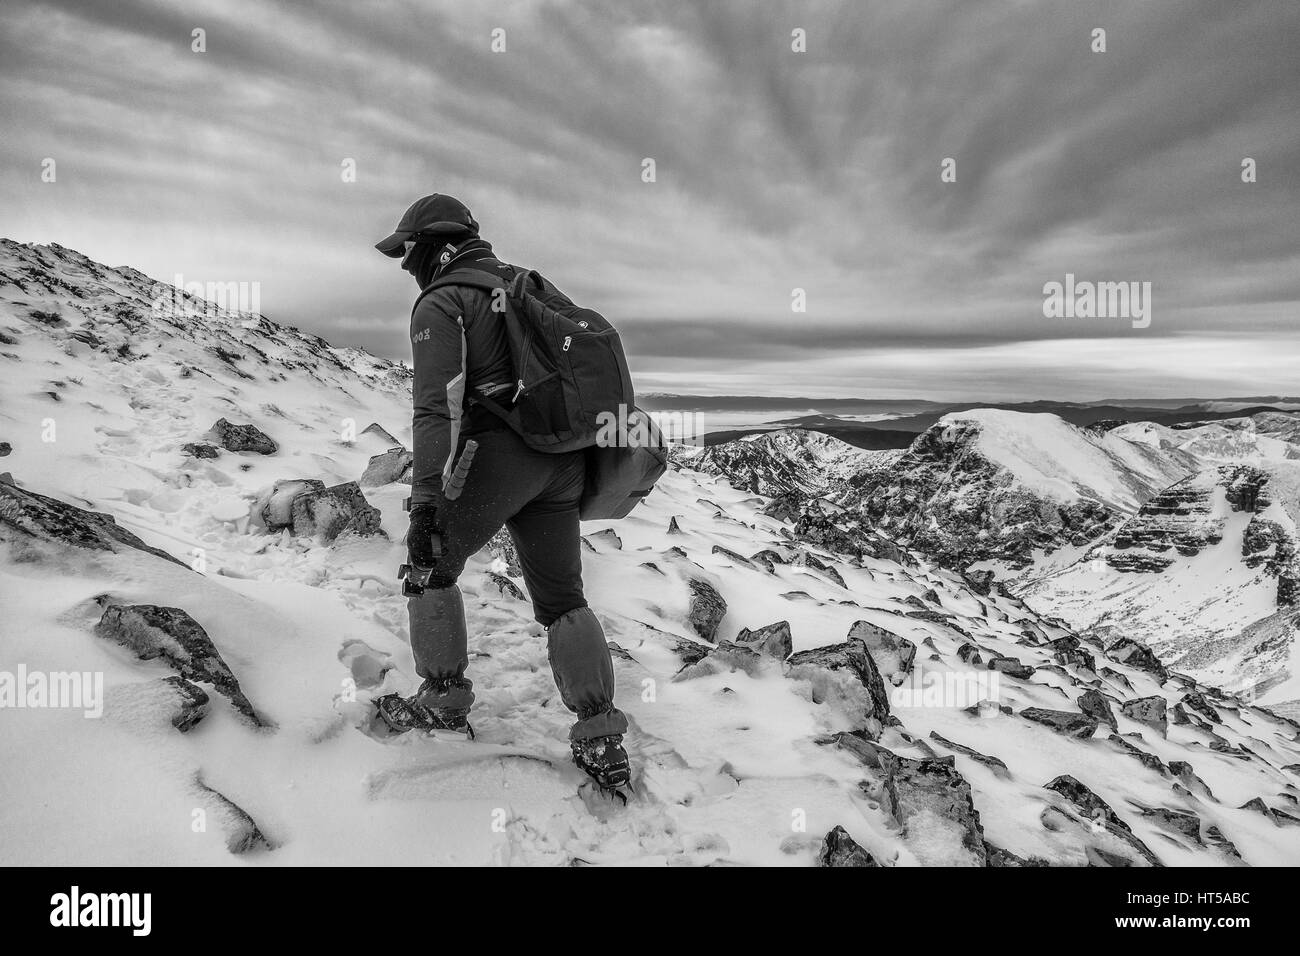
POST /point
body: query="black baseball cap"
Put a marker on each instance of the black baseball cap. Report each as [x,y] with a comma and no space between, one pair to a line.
[430,217]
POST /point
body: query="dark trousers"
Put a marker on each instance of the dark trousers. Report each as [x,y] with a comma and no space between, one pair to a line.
[535,496]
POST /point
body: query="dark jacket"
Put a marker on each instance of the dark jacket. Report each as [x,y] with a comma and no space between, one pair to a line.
[459,349]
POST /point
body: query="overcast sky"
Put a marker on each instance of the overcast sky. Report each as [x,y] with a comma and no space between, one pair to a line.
[775,170]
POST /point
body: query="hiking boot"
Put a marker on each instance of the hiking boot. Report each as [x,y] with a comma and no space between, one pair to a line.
[603,759]
[406,713]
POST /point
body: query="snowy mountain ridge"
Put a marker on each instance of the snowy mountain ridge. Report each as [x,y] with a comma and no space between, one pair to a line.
[801,690]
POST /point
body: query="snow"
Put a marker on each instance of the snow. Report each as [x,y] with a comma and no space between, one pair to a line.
[729,766]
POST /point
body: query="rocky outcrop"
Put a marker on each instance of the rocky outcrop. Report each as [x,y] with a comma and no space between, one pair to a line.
[27,516]
[706,609]
[168,633]
[243,438]
[326,513]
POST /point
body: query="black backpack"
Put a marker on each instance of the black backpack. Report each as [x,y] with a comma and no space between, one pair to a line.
[572,389]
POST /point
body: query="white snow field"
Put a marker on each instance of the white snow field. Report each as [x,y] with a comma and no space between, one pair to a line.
[743,759]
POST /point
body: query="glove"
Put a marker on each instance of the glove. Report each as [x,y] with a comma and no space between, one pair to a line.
[424,536]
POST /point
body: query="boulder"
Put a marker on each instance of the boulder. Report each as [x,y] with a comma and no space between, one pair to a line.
[1067,722]
[998,767]
[329,512]
[840,849]
[774,640]
[243,438]
[706,609]
[1111,838]
[154,632]
[843,675]
[1095,704]
[1137,655]
[723,659]
[273,510]
[1011,667]
[1152,711]
[384,469]
[893,655]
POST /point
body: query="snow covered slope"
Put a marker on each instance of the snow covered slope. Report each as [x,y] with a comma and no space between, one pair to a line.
[784,678]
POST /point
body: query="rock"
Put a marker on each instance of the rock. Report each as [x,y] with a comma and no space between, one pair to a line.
[25,515]
[968,653]
[1094,704]
[732,556]
[993,763]
[191,703]
[200,450]
[998,857]
[243,438]
[153,632]
[673,527]
[1069,723]
[706,609]
[505,587]
[1179,821]
[273,509]
[329,512]
[1067,650]
[929,798]
[1134,654]
[1187,776]
[773,640]
[1202,706]
[1011,667]
[608,537]
[843,675]
[392,466]
[1151,711]
[981,582]
[894,655]
[242,832]
[5,449]
[840,849]
[617,650]
[1278,817]
[1149,760]
[723,659]
[1102,820]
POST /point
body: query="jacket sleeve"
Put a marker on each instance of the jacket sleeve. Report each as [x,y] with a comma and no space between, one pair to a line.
[438,392]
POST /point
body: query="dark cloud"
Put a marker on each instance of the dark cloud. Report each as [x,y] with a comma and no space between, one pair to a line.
[776,170]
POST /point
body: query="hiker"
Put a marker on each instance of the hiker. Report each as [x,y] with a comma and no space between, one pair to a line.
[462,366]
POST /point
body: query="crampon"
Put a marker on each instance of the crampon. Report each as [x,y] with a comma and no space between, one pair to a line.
[401,714]
[605,761]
